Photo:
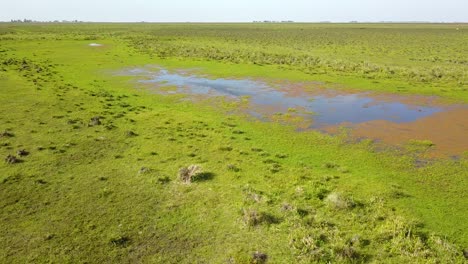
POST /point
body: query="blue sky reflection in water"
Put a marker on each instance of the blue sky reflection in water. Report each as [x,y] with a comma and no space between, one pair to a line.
[323,109]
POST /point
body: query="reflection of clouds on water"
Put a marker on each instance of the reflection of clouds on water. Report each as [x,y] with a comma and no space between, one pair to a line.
[328,110]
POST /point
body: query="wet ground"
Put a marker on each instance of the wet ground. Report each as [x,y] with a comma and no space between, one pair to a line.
[393,119]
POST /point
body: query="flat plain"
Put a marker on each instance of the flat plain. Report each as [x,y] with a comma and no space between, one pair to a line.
[100,124]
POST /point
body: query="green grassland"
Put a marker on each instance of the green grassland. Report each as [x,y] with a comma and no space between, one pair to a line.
[108,191]
[411,59]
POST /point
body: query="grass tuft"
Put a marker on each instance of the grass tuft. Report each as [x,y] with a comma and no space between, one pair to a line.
[232,167]
[120,241]
[22,153]
[187,174]
[259,258]
[337,201]
[6,134]
[144,170]
[130,133]
[95,121]
[10,159]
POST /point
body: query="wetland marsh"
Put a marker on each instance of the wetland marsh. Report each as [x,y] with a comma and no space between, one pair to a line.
[391,118]
[233,143]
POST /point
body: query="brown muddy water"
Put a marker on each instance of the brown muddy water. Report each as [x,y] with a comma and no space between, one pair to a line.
[392,119]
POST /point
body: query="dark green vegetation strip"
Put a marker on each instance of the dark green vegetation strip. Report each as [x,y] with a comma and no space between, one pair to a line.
[408,59]
[91,173]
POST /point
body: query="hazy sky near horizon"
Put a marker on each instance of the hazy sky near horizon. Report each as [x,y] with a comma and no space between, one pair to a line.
[236,10]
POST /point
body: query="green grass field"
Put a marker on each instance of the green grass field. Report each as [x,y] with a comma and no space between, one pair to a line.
[108,191]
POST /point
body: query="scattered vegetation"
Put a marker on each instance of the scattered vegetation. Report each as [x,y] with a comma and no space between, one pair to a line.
[6,134]
[95,121]
[415,56]
[337,201]
[422,143]
[259,258]
[95,183]
[22,153]
[10,159]
[187,174]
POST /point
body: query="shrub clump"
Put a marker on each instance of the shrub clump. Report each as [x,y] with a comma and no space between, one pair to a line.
[226,148]
[10,159]
[6,134]
[337,201]
[233,168]
[347,252]
[259,258]
[330,165]
[95,121]
[251,217]
[120,241]
[144,170]
[22,152]
[187,174]
[130,133]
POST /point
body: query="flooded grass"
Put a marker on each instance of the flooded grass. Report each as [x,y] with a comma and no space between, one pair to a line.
[264,99]
[390,118]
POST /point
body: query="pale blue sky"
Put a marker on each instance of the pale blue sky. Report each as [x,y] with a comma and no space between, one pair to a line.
[236,10]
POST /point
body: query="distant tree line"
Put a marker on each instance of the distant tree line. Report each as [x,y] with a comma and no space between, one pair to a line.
[271,21]
[51,21]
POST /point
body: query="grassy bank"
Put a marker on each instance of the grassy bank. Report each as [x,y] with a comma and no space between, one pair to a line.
[108,190]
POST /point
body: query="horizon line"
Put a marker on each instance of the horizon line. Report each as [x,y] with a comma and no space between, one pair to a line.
[239,22]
